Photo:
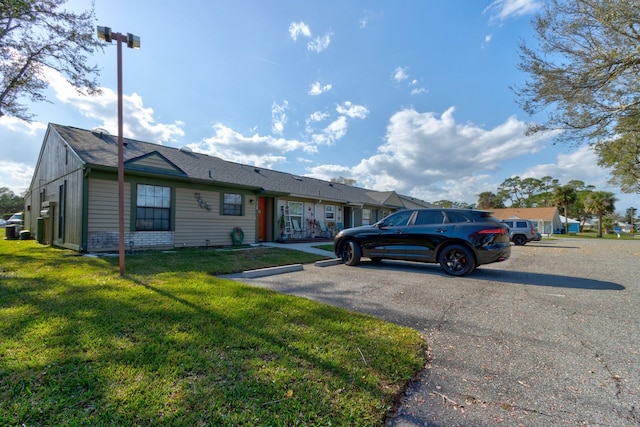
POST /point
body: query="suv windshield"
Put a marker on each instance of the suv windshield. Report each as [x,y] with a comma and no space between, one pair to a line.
[396,219]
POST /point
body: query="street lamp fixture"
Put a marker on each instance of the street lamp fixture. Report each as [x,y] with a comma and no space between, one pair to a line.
[104,33]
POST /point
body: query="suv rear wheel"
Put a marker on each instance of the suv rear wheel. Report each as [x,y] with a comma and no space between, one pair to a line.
[457,260]
[519,240]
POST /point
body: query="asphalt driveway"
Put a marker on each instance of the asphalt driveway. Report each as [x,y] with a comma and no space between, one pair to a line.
[549,337]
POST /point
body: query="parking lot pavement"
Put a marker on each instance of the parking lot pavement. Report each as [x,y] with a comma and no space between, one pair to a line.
[549,337]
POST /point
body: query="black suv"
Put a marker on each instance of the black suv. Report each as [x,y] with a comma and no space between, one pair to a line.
[521,231]
[458,239]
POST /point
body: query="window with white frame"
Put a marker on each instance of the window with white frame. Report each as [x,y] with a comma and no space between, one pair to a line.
[153,208]
[232,204]
[366,216]
[330,213]
[295,212]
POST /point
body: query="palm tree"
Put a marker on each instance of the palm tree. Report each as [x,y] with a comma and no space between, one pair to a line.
[600,203]
[564,196]
[631,213]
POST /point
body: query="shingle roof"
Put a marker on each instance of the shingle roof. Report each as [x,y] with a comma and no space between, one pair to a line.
[545,213]
[96,148]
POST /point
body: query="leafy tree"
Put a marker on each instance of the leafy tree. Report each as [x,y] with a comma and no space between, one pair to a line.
[512,189]
[450,204]
[622,155]
[584,72]
[523,193]
[40,34]
[345,181]
[564,196]
[9,203]
[547,185]
[531,187]
[583,191]
[600,203]
[489,200]
[444,203]
[608,223]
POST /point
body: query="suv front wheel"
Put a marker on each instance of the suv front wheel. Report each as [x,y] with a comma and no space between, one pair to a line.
[351,253]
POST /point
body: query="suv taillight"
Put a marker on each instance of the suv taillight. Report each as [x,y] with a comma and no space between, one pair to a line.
[493,231]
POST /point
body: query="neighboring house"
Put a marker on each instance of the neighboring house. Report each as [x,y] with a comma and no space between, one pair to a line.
[625,227]
[574,226]
[546,220]
[176,197]
[413,203]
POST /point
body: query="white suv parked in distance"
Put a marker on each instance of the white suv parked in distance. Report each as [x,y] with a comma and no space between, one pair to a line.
[521,231]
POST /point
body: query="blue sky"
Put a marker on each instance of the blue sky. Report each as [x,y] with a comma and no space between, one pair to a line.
[411,95]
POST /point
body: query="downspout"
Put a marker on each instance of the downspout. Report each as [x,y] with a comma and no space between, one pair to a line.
[84,215]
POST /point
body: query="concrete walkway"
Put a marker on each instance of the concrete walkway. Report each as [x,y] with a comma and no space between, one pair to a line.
[304,247]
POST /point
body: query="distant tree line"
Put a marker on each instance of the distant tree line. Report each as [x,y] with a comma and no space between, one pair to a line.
[574,199]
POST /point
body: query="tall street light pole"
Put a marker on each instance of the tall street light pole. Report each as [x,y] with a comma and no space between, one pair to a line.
[104,33]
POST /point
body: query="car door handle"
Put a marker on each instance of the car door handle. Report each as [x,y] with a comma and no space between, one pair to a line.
[440,230]
[399,231]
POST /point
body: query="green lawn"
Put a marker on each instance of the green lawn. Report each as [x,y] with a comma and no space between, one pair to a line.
[172,344]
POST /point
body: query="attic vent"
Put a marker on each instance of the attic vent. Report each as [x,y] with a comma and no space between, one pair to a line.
[186,150]
[297,178]
[256,170]
[101,131]
[331,184]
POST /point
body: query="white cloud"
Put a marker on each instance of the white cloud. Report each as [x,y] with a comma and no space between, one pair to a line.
[487,40]
[433,157]
[327,172]
[581,164]
[21,146]
[316,88]
[504,9]
[353,111]
[317,116]
[368,17]
[418,91]
[299,29]
[20,126]
[263,151]
[15,176]
[319,43]
[279,117]
[400,74]
[336,130]
[139,121]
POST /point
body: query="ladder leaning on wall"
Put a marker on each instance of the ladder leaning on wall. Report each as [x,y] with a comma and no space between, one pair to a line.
[288,228]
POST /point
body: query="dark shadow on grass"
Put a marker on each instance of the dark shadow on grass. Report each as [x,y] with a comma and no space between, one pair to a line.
[240,327]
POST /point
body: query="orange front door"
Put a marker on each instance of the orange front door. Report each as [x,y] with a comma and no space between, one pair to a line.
[262,219]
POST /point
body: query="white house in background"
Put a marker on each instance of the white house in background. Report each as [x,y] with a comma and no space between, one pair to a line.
[546,219]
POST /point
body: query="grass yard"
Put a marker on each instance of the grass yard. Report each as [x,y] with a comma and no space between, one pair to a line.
[172,344]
